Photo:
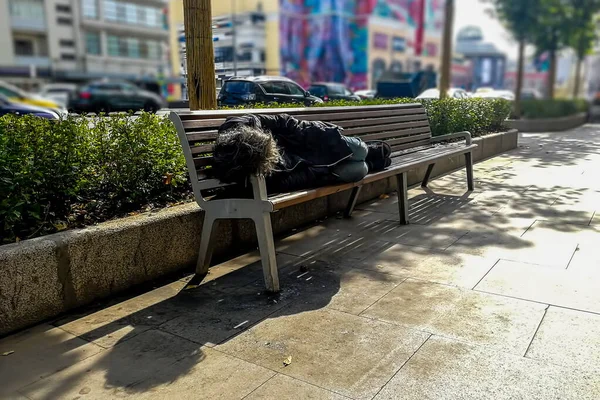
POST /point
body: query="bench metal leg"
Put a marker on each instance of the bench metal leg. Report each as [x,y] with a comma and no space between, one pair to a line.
[401,187]
[427,175]
[469,166]
[266,245]
[205,253]
[352,202]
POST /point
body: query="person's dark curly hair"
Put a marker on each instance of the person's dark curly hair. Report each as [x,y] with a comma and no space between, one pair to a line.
[241,151]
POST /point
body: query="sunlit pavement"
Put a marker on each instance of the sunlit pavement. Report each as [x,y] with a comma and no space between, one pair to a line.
[493,294]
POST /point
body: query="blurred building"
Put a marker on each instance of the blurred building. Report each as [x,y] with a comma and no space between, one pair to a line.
[532,79]
[78,40]
[462,73]
[349,41]
[488,63]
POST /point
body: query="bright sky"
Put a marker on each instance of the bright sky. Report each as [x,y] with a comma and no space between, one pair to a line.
[472,12]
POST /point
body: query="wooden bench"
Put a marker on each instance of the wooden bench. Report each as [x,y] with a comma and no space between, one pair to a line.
[404,126]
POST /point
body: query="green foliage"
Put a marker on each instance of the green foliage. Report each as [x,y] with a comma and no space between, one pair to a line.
[535,109]
[518,16]
[59,174]
[77,171]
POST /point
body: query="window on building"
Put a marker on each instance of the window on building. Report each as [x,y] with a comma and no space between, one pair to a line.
[113,45]
[89,9]
[64,21]
[153,50]
[66,43]
[133,47]
[131,15]
[223,54]
[23,47]
[92,43]
[30,9]
[63,8]
[143,49]
[110,10]
[67,57]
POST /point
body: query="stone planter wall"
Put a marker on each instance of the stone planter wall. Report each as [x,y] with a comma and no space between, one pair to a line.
[548,124]
[41,278]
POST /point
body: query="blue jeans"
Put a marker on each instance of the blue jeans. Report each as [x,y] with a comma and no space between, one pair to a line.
[355,168]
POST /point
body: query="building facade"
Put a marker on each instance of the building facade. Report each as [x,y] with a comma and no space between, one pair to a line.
[487,62]
[350,41]
[78,40]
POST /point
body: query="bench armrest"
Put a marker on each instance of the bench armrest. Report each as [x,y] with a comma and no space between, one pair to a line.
[466,135]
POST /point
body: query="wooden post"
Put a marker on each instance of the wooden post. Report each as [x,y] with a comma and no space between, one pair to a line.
[519,88]
[447,50]
[199,52]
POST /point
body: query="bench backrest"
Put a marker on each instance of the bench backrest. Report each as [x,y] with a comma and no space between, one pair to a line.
[403,126]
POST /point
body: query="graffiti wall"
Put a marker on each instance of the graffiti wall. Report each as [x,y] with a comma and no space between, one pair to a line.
[328,40]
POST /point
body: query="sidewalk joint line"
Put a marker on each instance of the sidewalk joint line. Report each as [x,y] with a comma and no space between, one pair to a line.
[402,366]
[536,330]
[486,274]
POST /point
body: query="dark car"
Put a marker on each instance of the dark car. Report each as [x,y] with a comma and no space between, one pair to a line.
[8,107]
[332,91]
[107,96]
[263,89]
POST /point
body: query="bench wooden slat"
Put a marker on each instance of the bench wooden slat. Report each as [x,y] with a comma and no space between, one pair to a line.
[206,148]
[395,134]
[398,109]
[199,136]
[385,128]
[411,144]
[202,161]
[409,139]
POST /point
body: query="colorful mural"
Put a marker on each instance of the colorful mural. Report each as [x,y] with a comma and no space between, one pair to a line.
[328,40]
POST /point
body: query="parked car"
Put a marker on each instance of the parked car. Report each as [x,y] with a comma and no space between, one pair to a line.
[455,93]
[366,94]
[263,89]
[60,93]
[107,96]
[496,94]
[11,107]
[332,91]
[16,95]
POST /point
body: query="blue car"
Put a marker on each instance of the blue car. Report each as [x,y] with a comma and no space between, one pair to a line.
[8,107]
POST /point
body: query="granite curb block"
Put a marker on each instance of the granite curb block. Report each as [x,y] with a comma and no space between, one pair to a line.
[548,124]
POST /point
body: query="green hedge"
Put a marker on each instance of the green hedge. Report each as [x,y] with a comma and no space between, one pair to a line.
[79,171]
[536,109]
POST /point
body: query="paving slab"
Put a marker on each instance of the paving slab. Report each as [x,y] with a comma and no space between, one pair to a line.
[433,265]
[346,354]
[555,286]
[212,376]
[284,387]
[416,235]
[113,372]
[569,338]
[315,284]
[37,353]
[494,321]
[122,321]
[443,369]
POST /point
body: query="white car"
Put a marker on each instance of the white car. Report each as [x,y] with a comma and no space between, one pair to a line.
[496,94]
[454,93]
[59,92]
[365,94]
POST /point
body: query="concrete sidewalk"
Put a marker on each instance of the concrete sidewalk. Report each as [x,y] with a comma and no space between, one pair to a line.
[487,295]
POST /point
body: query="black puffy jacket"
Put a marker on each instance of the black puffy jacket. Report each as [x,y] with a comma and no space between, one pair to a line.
[309,149]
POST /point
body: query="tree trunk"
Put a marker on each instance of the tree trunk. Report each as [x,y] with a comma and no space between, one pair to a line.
[447,50]
[200,57]
[552,74]
[577,77]
[518,89]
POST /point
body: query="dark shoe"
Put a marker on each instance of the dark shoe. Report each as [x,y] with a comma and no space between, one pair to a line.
[378,155]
